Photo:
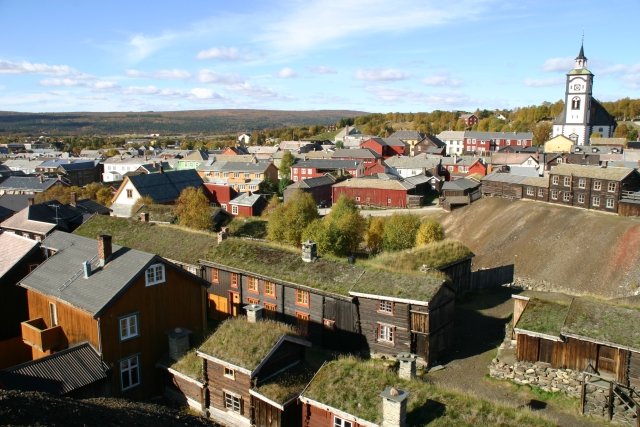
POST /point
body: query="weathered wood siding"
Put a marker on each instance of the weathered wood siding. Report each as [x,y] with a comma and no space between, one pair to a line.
[265,415]
[634,369]
[440,317]
[179,389]
[313,416]
[459,274]
[502,189]
[628,208]
[344,334]
[286,355]
[371,318]
[217,384]
[177,302]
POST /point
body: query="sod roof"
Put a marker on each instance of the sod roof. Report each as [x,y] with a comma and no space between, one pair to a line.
[435,255]
[286,385]
[606,323]
[354,386]
[285,264]
[168,241]
[190,365]
[543,317]
[245,344]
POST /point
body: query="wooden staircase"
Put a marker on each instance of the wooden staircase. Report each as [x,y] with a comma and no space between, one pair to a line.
[608,399]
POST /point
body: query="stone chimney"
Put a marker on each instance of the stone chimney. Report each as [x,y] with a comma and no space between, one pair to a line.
[74,199]
[104,249]
[223,234]
[41,177]
[254,312]
[407,368]
[394,407]
[178,342]
[144,217]
[309,251]
[30,201]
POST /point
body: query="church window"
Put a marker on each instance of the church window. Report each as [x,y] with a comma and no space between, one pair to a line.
[575,103]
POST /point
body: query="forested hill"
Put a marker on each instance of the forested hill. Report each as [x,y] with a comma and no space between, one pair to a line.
[168,122]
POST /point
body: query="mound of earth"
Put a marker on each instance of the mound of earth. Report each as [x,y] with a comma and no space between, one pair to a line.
[19,408]
[552,247]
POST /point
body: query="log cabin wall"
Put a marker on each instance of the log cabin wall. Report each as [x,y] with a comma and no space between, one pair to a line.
[265,415]
[371,318]
[218,384]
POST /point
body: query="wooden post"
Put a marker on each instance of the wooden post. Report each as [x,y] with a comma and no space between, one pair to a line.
[610,401]
[583,396]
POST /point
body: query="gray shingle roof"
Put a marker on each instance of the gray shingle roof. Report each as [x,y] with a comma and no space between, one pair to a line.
[460,184]
[504,177]
[355,153]
[61,275]
[12,249]
[328,164]
[27,183]
[15,202]
[415,162]
[315,182]
[246,199]
[165,187]
[60,373]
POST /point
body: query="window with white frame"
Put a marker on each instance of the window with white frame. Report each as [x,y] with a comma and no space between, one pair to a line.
[230,373]
[385,307]
[581,198]
[530,191]
[554,194]
[609,203]
[129,372]
[232,402]
[540,192]
[567,181]
[234,209]
[155,274]
[386,333]
[340,422]
[566,196]
[582,183]
[597,185]
[595,201]
[611,187]
[555,180]
[128,327]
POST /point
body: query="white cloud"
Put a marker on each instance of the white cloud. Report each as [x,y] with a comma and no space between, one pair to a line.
[25,67]
[292,32]
[141,90]
[441,79]
[224,53]
[381,75]
[175,74]
[551,81]
[203,93]
[558,64]
[322,69]
[208,76]
[141,46]
[71,82]
[252,91]
[287,73]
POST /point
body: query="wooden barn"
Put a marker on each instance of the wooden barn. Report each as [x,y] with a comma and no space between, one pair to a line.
[500,184]
[259,386]
[580,334]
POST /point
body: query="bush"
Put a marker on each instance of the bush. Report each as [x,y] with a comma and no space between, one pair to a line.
[288,221]
[193,209]
[430,231]
[400,232]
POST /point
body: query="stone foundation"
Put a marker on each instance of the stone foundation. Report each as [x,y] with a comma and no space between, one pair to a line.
[546,378]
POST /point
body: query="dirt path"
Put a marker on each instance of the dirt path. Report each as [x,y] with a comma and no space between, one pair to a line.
[480,327]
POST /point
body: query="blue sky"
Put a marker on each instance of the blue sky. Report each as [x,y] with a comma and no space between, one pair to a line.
[368,55]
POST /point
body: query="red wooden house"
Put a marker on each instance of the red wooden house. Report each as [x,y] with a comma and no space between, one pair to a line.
[485,142]
[386,147]
[370,191]
[319,167]
[248,204]
[219,194]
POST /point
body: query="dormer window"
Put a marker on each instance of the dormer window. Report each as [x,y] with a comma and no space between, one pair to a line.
[155,274]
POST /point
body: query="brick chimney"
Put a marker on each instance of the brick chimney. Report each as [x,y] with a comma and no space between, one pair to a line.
[144,217]
[104,249]
[394,407]
[74,198]
[223,234]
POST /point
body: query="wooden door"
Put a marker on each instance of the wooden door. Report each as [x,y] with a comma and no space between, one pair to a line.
[234,303]
[420,345]
[606,363]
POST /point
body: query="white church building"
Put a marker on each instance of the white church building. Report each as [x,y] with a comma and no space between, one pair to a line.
[582,114]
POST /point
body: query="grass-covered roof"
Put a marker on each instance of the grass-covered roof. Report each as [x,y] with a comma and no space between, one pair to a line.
[168,241]
[245,344]
[434,255]
[544,317]
[190,365]
[285,264]
[287,385]
[354,386]
[603,322]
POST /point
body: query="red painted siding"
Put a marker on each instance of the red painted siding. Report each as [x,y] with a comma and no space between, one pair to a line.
[373,196]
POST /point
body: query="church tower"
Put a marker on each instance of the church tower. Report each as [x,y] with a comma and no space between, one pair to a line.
[582,114]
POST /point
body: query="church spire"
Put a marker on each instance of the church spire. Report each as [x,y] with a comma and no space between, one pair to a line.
[581,60]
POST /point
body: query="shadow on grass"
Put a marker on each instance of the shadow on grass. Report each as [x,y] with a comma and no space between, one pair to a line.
[426,413]
[255,228]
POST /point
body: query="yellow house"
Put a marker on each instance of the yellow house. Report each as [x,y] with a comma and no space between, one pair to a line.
[558,144]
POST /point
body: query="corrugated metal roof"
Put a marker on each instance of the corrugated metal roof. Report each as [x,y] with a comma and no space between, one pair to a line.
[61,275]
[27,183]
[460,184]
[328,164]
[597,172]
[354,153]
[60,373]
[421,161]
[383,184]
[246,199]
[504,177]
